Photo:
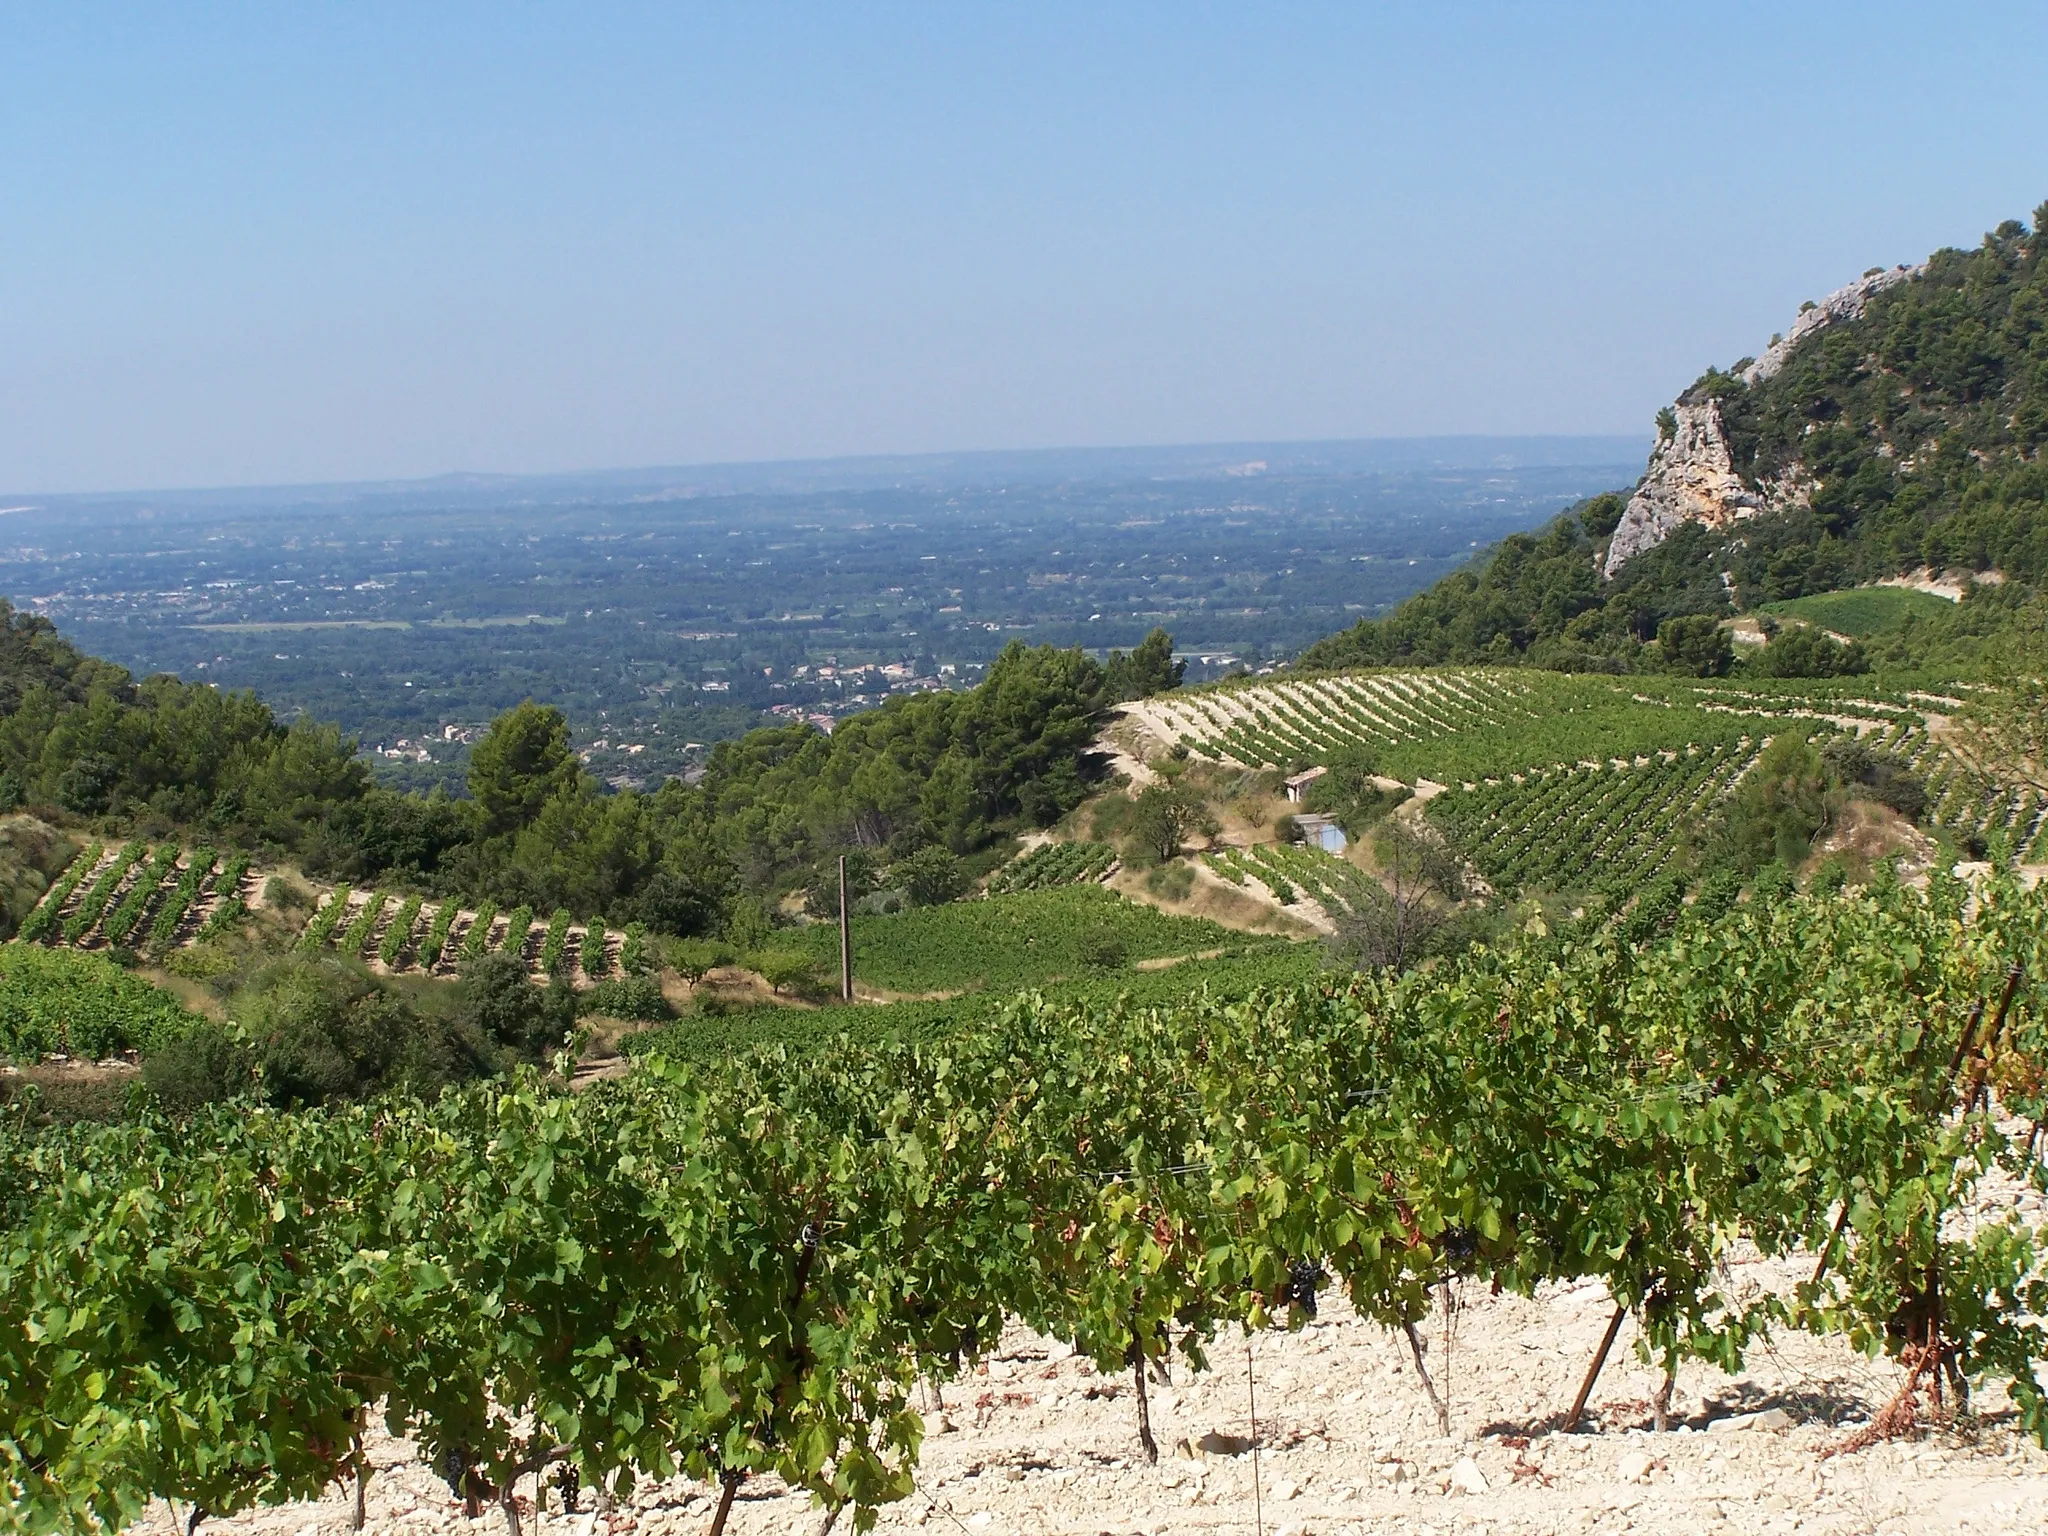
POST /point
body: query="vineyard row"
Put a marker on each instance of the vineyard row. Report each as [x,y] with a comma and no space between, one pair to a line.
[413,934]
[749,1269]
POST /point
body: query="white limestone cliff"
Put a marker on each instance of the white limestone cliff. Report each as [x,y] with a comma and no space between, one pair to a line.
[1691,476]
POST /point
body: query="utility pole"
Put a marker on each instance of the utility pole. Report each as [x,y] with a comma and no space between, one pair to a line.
[845,940]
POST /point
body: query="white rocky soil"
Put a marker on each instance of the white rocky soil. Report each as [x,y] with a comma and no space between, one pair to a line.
[1038,1441]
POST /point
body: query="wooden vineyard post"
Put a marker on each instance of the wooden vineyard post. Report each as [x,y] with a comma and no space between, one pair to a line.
[845,940]
[1571,1420]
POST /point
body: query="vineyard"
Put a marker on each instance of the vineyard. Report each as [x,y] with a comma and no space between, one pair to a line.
[1579,826]
[1960,804]
[412,934]
[1460,726]
[1053,864]
[160,899]
[63,1003]
[749,1270]
[1277,724]
[142,898]
[712,1039]
[1454,726]
[1012,941]
[1290,871]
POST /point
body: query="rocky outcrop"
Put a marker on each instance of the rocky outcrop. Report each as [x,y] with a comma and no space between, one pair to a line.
[1691,479]
[1691,476]
[1843,304]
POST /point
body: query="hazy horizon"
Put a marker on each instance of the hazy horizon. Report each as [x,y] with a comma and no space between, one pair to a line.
[318,245]
[1080,462]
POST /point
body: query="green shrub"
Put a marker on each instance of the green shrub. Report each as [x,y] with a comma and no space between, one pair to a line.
[286,894]
[205,1065]
[789,970]
[627,997]
[1173,881]
[694,959]
[1101,950]
[322,1031]
[930,877]
[501,1003]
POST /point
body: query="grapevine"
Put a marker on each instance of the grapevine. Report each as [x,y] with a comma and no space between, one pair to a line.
[399,931]
[744,1269]
[360,928]
[633,950]
[517,928]
[171,915]
[554,945]
[230,908]
[477,941]
[44,917]
[94,903]
[325,920]
[435,944]
[125,917]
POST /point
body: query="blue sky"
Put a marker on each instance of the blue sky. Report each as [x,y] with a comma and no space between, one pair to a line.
[258,243]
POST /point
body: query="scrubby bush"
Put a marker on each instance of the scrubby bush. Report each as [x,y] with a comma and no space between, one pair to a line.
[789,970]
[322,1031]
[930,877]
[628,997]
[694,959]
[1804,651]
[1173,882]
[205,1065]
[502,1005]
[821,892]
[1878,775]
[1776,810]
[1101,950]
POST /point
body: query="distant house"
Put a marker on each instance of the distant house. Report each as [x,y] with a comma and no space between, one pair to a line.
[1297,784]
[1320,831]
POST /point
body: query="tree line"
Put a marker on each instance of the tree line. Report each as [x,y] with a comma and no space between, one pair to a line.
[955,772]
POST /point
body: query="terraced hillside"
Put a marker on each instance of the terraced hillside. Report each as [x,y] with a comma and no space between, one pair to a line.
[411,934]
[142,897]
[1576,825]
[1557,780]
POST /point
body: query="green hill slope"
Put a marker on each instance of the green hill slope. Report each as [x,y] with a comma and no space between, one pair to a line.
[1898,425]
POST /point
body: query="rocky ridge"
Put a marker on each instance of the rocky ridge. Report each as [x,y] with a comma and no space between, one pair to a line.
[1691,477]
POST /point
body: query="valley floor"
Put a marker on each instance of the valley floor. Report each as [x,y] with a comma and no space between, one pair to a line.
[1040,1442]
